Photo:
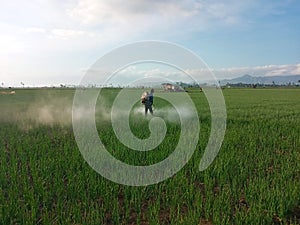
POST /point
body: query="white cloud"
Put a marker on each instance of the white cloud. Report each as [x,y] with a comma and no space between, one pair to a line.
[204,74]
[70,33]
[144,71]
[34,30]
[296,70]
[279,70]
[110,23]
[57,36]
[9,45]
[142,15]
[264,70]
[94,12]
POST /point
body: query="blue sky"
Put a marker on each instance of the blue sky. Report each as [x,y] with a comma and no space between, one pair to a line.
[44,42]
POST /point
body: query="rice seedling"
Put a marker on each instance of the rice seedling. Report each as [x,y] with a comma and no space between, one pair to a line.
[254,179]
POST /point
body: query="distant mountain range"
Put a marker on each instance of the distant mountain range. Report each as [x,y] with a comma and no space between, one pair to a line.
[278,80]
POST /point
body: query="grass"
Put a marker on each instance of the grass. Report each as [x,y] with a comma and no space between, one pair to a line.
[255,178]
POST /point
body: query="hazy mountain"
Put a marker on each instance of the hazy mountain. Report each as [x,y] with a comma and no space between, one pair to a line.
[278,80]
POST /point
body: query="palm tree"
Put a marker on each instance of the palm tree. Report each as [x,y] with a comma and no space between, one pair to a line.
[22,84]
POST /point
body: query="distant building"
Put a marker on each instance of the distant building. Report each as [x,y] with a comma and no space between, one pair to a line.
[168,86]
[171,87]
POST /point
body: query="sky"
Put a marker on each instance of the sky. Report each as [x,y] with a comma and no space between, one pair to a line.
[52,42]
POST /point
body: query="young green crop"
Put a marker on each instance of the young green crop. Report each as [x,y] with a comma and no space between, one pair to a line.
[254,179]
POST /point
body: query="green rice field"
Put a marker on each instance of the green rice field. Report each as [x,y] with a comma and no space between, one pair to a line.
[255,178]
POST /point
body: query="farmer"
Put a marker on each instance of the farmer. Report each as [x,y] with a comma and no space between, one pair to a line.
[148,101]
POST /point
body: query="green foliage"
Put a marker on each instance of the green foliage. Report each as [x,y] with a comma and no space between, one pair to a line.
[255,179]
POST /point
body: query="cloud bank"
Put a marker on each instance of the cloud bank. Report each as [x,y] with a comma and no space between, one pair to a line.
[133,72]
[48,42]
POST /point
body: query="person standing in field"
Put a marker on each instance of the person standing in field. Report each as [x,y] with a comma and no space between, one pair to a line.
[147,99]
